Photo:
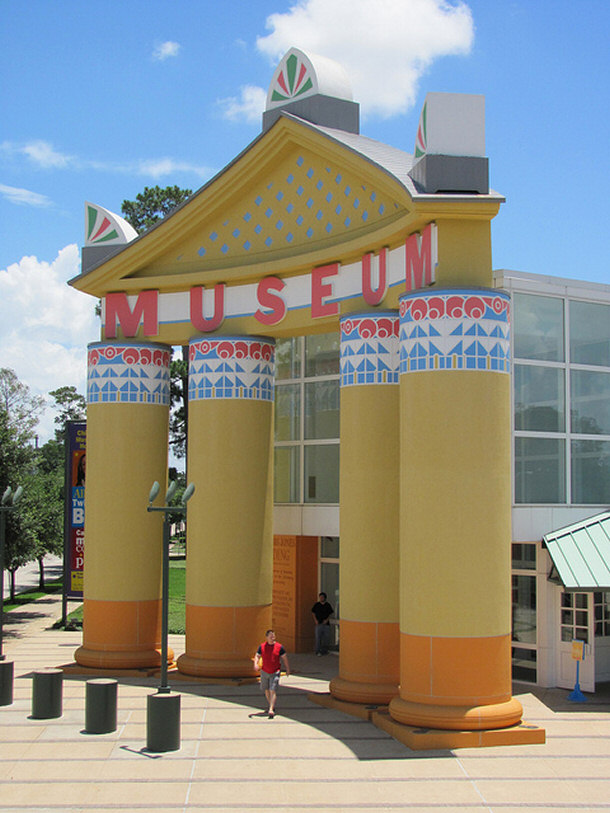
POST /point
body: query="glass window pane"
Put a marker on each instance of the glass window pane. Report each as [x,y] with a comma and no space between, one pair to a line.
[288,358]
[539,470]
[322,473]
[329,547]
[329,584]
[287,411]
[322,354]
[286,474]
[591,472]
[590,402]
[567,617]
[539,398]
[590,333]
[538,327]
[581,600]
[524,556]
[524,609]
[566,634]
[524,664]
[322,409]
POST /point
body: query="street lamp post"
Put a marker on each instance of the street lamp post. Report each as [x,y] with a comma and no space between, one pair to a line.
[8,503]
[163,718]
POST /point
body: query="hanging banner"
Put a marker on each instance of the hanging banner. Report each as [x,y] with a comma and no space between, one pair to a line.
[74,525]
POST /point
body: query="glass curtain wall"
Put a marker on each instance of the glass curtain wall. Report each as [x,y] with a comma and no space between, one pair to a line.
[561,383]
[307,420]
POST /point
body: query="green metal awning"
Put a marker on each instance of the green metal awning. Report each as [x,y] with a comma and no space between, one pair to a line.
[581,554]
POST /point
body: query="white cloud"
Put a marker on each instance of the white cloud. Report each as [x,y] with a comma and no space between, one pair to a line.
[166,50]
[47,157]
[45,326]
[159,167]
[249,105]
[43,154]
[23,197]
[384,45]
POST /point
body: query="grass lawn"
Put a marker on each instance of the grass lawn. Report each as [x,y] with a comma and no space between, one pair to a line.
[177,586]
[31,595]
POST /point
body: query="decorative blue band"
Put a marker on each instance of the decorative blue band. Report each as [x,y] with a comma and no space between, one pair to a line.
[455,330]
[242,367]
[369,349]
[128,374]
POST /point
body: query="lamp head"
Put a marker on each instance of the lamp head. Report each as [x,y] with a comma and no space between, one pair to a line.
[17,495]
[188,493]
[170,491]
[7,495]
[154,491]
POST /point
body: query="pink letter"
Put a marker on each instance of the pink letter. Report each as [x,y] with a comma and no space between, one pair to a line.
[268,299]
[198,320]
[145,309]
[419,271]
[320,290]
[374,297]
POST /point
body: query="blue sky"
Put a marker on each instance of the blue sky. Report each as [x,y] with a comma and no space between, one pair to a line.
[99,101]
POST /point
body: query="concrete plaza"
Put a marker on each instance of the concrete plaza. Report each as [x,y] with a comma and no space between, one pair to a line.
[232,758]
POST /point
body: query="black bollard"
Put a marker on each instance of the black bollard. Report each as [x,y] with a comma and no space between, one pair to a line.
[6,682]
[47,690]
[163,721]
[101,706]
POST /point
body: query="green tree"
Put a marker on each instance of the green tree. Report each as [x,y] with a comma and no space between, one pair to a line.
[16,460]
[152,205]
[20,406]
[178,421]
[42,519]
[72,406]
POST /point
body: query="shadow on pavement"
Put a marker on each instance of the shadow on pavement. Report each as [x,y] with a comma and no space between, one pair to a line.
[363,739]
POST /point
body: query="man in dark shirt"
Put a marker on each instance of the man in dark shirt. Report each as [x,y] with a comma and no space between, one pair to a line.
[322,611]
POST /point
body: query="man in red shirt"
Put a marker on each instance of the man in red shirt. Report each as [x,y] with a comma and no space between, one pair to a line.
[268,658]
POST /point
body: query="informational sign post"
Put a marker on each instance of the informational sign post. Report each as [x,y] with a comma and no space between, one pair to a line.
[578,655]
[74,523]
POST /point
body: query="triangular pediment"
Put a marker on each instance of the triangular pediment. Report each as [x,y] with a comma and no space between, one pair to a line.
[295,197]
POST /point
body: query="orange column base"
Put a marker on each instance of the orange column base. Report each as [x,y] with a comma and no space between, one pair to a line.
[455,683]
[121,634]
[426,739]
[459,718]
[221,641]
[369,663]
[368,693]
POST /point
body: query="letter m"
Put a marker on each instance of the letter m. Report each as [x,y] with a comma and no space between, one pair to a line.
[145,311]
[421,253]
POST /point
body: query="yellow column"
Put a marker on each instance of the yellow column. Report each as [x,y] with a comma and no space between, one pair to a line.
[455,511]
[127,428]
[369,510]
[230,525]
